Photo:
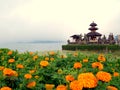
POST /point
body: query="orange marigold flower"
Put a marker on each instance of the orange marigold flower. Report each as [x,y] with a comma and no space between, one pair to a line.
[6,88]
[9,52]
[69,78]
[2,67]
[100,67]
[28,76]
[51,59]
[44,63]
[9,72]
[75,54]
[11,60]
[31,71]
[101,57]
[97,64]
[85,60]
[31,84]
[49,86]
[77,65]
[20,66]
[35,57]
[15,73]
[76,85]
[63,56]
[61,87]
[111,88]
[31,53]
[47,58]
[88,80]
[52,53]
[103,76]
[115,74]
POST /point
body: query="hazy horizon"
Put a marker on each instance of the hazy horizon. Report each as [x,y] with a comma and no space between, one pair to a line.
[56,20]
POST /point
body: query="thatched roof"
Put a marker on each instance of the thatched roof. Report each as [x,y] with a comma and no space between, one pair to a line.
[94,34]
[75,36]
[93,28]
[93,24]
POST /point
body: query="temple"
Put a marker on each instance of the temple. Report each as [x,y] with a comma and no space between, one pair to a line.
[92,37]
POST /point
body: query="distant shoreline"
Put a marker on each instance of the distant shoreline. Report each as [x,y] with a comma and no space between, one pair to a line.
[42,42]
[34,46]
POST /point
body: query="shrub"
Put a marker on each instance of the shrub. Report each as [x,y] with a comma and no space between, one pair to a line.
[90,47]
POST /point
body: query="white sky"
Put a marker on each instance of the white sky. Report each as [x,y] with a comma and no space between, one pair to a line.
[28,20]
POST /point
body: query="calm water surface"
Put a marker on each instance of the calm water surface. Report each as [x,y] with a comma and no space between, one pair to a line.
[22,47]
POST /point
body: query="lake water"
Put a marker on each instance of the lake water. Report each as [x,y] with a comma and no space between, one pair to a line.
[22,47]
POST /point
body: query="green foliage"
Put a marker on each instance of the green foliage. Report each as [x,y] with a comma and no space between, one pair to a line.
[57,69]
[90,47]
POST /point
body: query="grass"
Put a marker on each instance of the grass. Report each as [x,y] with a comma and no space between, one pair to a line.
[86,52]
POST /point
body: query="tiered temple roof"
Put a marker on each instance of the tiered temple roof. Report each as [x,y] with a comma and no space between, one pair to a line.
[93,29]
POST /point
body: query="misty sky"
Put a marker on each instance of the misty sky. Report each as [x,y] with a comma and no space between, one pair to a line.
[28,20]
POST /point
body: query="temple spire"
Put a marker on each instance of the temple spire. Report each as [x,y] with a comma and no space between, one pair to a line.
[93,34]
[93,28]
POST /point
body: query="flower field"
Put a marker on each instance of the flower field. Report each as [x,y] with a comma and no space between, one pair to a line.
[57,71]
